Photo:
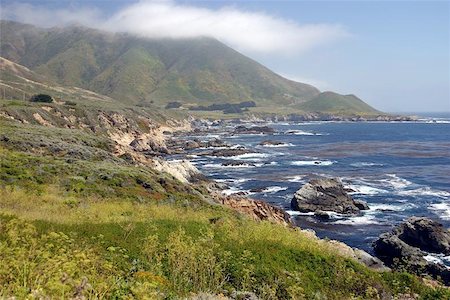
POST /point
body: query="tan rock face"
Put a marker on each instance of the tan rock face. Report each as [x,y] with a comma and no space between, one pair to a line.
[257,210]
[41,120]
[181,170]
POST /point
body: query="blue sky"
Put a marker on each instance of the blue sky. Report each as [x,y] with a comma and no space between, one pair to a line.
[395,55]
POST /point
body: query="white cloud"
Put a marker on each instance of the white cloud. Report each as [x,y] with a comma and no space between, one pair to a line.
[250,32]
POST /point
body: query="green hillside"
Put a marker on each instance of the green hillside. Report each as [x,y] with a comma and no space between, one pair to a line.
[196,71]
[336,103]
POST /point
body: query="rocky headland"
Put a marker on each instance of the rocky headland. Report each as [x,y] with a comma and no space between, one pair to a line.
[413,245]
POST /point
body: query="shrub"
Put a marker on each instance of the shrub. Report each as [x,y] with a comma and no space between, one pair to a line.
[42,98]
[175,104]
[70,103]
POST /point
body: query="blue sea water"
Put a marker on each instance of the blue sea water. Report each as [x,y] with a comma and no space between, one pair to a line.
[400,169]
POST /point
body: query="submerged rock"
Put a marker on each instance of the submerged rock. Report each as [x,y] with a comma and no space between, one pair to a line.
[408,244]
[326,195]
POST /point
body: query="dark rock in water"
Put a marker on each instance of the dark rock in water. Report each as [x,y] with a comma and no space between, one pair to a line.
[362,205]
[216,143]
[425,234]
[236,163]
[389,248]
[230,152]
[270,143]
[410,241]
[254,130]
[322,215]
[325,195]
[189,145]
[257,190]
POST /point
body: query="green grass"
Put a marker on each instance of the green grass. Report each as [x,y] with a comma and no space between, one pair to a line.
[169,251]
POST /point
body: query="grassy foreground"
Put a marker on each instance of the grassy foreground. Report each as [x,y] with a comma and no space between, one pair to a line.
[63,242]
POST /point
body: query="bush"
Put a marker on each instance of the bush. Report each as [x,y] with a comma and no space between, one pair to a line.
[70,103]
[42,98]
[175,104]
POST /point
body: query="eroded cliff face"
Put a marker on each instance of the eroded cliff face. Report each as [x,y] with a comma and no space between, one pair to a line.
[257,210]
[135,137]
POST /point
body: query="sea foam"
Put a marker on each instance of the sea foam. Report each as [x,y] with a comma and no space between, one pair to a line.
[312,163]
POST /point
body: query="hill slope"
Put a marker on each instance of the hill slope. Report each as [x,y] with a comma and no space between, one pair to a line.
[197,71]
[333,102]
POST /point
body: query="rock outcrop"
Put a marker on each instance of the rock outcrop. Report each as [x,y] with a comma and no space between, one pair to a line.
[182,170]
[257,210]
[359,255]
[230,152]
[237,163]
[407,246]
[254,130]
[425,234]
[271,143]
[326,194]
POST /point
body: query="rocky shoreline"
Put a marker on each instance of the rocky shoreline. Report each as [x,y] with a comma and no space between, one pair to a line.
[322,196]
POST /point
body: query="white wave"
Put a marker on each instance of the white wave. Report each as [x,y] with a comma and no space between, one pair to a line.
[435,121]
[240,166]
[301,132]
[312,163]
[274,189]
[249,156]
[242,180]
[212,136]
[365,164]
[296,178]
[231,180]
[442,208]
[397,182]
[359,220]
[438,258]
[365,190]
[297,213]
[223,180]
[233,190]
[425,191]
[283,145]
[390,207]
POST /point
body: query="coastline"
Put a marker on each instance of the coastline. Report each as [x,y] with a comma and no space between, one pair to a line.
[202,128]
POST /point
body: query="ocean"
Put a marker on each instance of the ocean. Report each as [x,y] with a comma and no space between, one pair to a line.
[399,169]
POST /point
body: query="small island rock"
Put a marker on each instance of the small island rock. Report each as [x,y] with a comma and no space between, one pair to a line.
[326,194]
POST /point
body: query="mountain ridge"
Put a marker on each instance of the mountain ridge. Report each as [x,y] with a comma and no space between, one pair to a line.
[134,70]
